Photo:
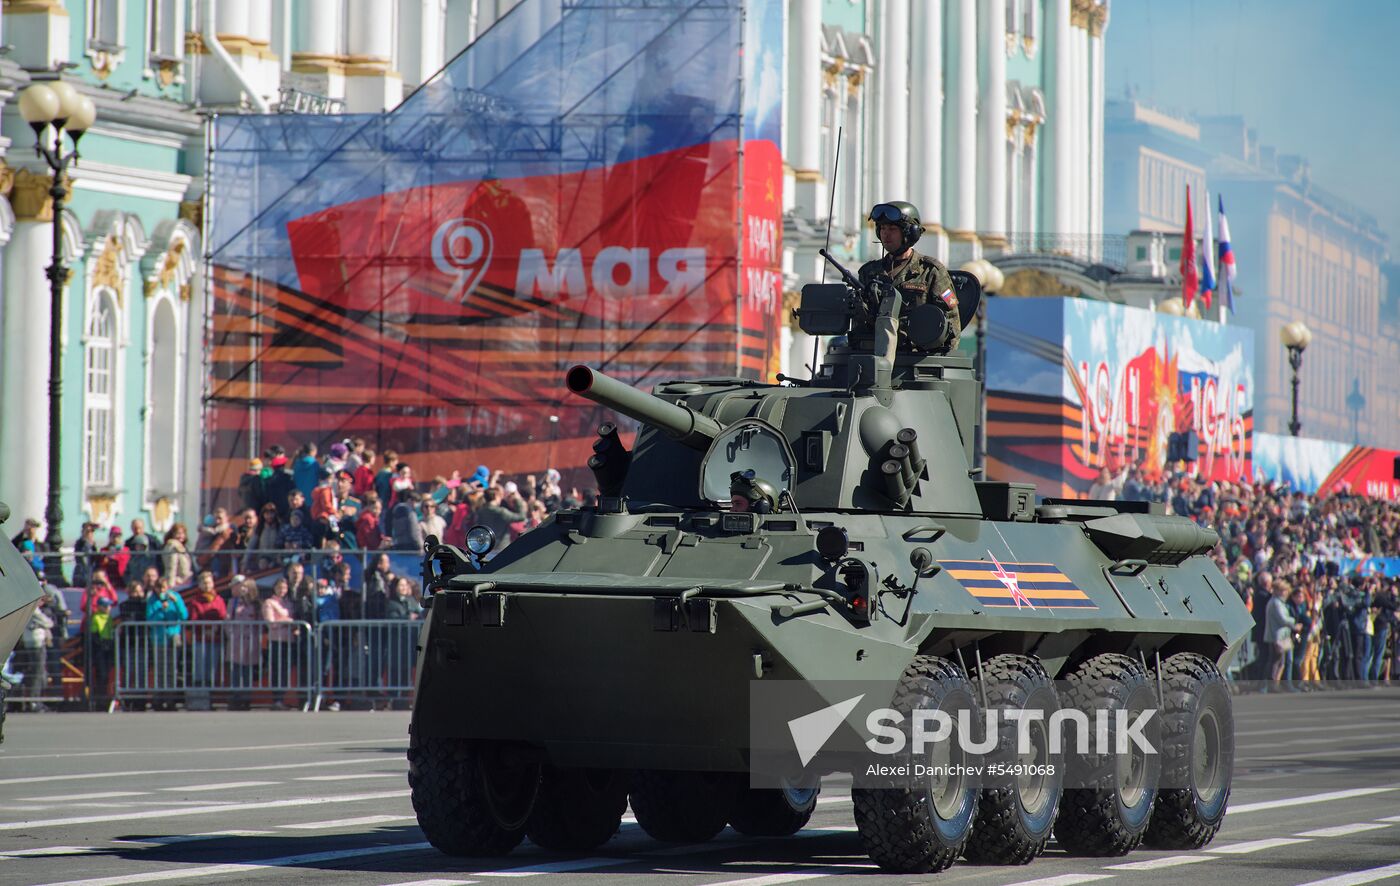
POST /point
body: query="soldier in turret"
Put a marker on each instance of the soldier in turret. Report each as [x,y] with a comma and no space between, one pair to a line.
[749,493]
[921,279]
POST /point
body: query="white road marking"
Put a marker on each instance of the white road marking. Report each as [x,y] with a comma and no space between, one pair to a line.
[1253,846]
[832,801]
[356,778]
[1307,729]
[1393,819]
[191,838]
[555,867]
[346,822]
[59,798]
[48,850]
[434,883]
[1342,830]
[219,870]
[1063,880]
[1339,752]
[396,740]
[225,786]
[213,809]
[1152,864]
[134,773]
[773,879]
[721,844]
[1356,878]
[1308,800]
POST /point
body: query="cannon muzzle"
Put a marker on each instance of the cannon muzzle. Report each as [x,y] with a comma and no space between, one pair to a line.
[691,428]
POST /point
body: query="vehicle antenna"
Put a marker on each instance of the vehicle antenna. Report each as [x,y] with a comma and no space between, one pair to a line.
[830,206]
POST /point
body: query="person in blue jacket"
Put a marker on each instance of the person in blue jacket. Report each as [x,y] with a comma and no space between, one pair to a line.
[165,609]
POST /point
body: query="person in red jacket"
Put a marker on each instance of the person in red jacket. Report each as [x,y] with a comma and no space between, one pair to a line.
[364,475]
[205,605]
[100,589]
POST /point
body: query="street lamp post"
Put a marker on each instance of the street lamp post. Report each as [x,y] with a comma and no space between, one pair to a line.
[1295,337]
[1356,402]
[58,105]
[991,278]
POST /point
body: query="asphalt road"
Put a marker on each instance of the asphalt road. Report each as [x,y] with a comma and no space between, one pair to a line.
[291,797]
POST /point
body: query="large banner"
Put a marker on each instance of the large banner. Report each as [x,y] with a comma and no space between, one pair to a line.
[589,182]
[1326,466]
[1076,386]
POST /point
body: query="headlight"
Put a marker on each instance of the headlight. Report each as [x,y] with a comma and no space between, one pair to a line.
[480,540]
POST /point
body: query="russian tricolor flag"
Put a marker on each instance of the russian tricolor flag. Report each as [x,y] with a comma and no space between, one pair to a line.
[1207,259]
[1227,259]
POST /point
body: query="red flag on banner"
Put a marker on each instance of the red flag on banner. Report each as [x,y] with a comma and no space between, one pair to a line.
[1189,273]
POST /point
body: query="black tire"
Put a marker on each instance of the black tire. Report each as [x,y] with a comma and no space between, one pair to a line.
[1107,810]
[683,807]
[1016,811]
[922,828]
[577,809]
[773,812]
[471,799]
[1198,754]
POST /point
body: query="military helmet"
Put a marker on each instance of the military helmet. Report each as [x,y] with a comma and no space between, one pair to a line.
[761,495]
[899,212]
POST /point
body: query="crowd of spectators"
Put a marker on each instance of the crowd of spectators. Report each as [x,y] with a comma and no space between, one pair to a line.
[313,539]
[1318,623]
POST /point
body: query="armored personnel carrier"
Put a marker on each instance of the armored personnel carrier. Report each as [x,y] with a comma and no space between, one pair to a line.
[20,592]
[614,653]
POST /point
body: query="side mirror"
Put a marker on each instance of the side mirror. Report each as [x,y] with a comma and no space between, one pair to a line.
[825,309]
[927,327]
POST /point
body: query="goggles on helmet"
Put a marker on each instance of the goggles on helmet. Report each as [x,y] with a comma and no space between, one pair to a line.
[887,213]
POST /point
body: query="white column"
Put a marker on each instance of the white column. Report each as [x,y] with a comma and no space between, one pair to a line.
[960,168]
[231,18]
[1096,112]
[24,372]
[318,27]
[1080,36]
[892,71]
[804,143]
[1059,129]
[259,19]
[926,109]
[370,29]
[991,207]
[371,84]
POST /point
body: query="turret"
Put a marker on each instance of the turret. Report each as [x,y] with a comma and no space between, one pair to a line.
[886,425]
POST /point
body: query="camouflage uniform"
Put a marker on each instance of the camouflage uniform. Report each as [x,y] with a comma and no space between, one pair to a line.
[921,279]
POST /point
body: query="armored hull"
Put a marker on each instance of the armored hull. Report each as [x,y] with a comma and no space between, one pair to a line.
[616,652]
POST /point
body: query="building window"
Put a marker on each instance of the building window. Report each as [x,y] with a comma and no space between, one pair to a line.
[99,388]
[163,404]
[164,30]
[105,24]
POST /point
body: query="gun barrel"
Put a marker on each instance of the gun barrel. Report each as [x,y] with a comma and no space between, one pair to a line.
[691,428]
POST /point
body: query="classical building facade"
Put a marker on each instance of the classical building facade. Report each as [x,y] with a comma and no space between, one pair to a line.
[986,114]
[133,329]
[1303,254]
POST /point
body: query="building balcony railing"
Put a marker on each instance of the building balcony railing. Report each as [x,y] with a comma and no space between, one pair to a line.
[1105,249]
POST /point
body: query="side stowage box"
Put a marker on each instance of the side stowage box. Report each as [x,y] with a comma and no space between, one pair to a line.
[1007,501]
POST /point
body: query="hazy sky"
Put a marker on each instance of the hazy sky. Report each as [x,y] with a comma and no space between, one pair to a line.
[1320,78]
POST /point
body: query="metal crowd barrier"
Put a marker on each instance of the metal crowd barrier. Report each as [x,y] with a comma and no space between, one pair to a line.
[354,662]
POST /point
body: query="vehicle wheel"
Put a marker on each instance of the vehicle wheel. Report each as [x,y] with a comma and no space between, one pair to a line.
[577,809]
[1106,811]
[472,799]
[924,827]
[1198,754]
[683,807]
[1016,810]
[773,812]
